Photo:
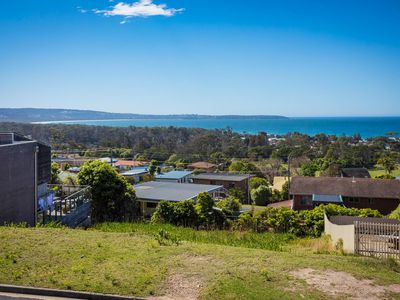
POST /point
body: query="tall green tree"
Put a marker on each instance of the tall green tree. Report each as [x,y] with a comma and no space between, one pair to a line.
[388,162]
[113,198]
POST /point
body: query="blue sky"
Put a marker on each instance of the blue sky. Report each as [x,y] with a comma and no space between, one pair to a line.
[293,58]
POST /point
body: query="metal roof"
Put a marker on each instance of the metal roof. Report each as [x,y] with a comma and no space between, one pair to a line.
[171,191]
[222,176]
[135,171]
[327,198]
[173,175]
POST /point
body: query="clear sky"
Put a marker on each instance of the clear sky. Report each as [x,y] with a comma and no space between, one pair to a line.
[293,58]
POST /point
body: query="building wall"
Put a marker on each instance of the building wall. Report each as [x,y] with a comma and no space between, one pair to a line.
[241,185]
[343,232]
[17,183]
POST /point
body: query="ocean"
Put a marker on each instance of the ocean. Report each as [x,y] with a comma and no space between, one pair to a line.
[365,126]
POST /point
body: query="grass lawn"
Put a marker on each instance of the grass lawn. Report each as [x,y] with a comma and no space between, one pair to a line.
[134,259]
[380,171]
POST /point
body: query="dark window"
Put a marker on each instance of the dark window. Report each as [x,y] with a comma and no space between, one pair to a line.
[231,185]
[212,182]
[151,205]
[370,200]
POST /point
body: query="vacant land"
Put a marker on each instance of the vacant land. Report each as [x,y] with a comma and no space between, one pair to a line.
[166,263]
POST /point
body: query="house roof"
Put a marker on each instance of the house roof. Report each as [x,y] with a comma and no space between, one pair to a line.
[130,163]
[222,176]
[135,171]
[347,187]
[154,191]
[355,172]
[201,165]
[173,175]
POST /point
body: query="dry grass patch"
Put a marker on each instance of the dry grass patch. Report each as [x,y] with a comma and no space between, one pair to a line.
[345,285]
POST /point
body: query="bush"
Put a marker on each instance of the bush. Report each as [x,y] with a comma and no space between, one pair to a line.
[261,195]
[230,205]
[395,214]
[279,220]
[180,213]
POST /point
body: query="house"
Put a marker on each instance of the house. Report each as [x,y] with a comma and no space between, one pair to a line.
[135,175]
[202,165]
[174,176]
[25,170]
[355,172]
[380,194]
[129,164]
[150,193]
[227,180]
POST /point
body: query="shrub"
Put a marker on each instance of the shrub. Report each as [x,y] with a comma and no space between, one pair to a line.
[395,214]
[261,195]
[230,205]
[246,221]
[280,220]
[180,213]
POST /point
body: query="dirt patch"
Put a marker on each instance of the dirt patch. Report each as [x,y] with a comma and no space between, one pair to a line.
[185,285]
[344,284]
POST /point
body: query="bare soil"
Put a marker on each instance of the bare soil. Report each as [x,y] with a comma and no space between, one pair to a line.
[345,285]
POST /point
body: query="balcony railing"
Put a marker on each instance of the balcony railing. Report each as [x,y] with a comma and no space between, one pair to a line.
[62,203]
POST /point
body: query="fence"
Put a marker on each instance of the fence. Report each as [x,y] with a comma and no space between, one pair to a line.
[377,239]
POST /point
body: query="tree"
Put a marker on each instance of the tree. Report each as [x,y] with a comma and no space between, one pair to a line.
[255,182]
[113,198]
[55,170]
[261,195]
[153,167]
[237,193]
[309,169]
[243,167]
[388,162]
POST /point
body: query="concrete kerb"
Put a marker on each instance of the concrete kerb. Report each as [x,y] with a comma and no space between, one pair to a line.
[6,288]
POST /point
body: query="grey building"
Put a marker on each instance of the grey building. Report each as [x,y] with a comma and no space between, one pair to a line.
[25,170]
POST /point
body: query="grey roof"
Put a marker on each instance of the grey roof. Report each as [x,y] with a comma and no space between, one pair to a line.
[135,171]
[327,198]
[222,176]
[171,191]
[173,175]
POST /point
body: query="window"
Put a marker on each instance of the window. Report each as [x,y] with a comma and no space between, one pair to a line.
[151,205]
[305,200]
[231,185]
[370,201]
[212,182]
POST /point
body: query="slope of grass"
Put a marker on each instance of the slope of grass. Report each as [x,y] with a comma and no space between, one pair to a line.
[133,262]
[267,241]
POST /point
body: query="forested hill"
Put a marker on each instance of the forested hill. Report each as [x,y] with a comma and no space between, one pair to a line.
[44,114]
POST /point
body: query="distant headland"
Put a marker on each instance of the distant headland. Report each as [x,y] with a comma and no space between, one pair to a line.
[28,115]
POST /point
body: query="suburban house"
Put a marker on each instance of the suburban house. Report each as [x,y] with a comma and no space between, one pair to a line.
[227,180]
[150,193]
[380,194]
[355,172]
[202,165]
[129,164]
[135,175]
[25,170]
[174,176]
